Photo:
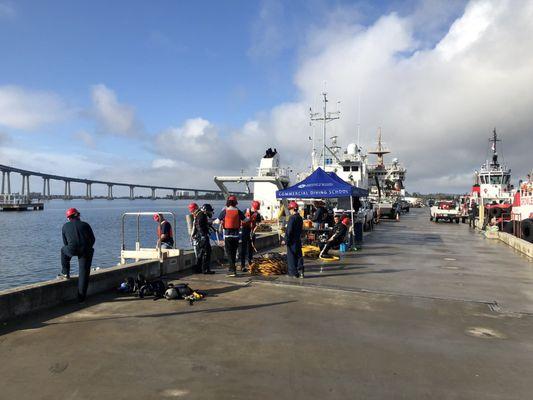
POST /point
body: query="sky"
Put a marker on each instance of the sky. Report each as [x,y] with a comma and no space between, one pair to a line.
[174,92]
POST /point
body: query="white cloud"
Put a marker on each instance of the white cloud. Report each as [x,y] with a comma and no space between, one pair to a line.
[4,138]
[27,109]
[86,138]
[198,143]
[114,117]
[437,106]
[60,163]
[163,163]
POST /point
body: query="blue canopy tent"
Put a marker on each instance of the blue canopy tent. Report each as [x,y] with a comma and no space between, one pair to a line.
[321,184]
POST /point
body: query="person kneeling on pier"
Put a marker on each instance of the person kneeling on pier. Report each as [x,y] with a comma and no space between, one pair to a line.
[78,240]
[339,233]
[165,238]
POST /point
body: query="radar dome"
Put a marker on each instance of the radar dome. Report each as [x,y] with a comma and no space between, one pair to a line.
[352,149]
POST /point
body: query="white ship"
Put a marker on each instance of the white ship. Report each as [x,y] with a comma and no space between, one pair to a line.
[385,180]
[493,181]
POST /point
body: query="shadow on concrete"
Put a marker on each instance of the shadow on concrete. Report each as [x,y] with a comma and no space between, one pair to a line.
[36,322]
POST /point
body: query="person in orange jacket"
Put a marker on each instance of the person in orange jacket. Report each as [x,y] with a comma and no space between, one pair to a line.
[230,219]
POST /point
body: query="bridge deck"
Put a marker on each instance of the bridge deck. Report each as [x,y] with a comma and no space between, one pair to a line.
[422,330]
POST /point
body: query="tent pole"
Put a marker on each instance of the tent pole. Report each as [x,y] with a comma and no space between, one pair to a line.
[353,224]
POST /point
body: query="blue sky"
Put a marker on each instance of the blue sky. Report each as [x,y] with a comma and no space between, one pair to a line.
[119,83]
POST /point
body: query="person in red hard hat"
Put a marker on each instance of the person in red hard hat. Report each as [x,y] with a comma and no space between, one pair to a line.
[165,237]
[248,228]
[338,234]
[230,219]
[78,241]
[293,240]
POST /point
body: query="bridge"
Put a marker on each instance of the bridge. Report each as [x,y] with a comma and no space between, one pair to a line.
[25,187]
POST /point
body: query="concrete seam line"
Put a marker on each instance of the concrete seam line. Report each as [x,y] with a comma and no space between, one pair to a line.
[489,304]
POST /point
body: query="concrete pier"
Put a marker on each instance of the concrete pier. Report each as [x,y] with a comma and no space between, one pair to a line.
[423,311]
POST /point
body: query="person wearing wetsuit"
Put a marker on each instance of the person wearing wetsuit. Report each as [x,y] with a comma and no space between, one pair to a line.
[293,240]
[230,219]
[338,234]
[200,236]
[78,241]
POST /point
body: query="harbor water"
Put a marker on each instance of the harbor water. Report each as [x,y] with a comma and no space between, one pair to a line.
[30,242]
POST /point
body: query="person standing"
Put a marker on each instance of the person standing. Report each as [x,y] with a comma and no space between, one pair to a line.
[293,240]
[320,215]
[230,219]
[165,237]
[472,214]
[78,241]
[200,237]
[248,228]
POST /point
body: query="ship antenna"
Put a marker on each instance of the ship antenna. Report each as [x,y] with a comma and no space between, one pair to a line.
[325,118]
[494,140]
[358,119]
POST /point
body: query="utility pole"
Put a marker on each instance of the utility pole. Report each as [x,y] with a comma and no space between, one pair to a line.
[325,118]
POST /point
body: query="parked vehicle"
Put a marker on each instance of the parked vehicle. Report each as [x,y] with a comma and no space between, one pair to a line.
[367,215]
[445,210]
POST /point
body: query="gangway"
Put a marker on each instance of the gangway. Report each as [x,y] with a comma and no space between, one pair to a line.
[145,253]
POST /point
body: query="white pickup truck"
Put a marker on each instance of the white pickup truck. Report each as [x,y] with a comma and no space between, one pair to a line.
[445,210]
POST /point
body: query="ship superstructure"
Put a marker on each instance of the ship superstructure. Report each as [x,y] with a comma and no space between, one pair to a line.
[385,180]
[493,181]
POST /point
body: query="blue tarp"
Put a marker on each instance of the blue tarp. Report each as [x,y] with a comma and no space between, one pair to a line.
[321,185]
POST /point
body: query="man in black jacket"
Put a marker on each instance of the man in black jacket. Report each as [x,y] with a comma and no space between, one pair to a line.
[338,234]
[293,240]
[78,240]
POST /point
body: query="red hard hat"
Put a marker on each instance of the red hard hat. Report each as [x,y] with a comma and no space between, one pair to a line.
[193,207]
[72,212]
[232,198]
[293,205]
[256,205]
[156,217]
[346,220]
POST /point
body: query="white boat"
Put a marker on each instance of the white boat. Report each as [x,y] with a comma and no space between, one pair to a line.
[493,181]
[270,178]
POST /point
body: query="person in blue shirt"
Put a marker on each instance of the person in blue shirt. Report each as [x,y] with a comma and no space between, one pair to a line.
[293,240]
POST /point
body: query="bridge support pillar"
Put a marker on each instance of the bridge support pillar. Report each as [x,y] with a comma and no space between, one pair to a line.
[88,191]
[3,182]
[25,189]
[174,194]
[132,192]
[8,176]
[46,187]
[153,193]
[109,192]
[196,194]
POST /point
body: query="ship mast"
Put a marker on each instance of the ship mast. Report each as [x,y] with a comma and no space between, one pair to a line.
[327,116]
[494,139]
[380,151]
